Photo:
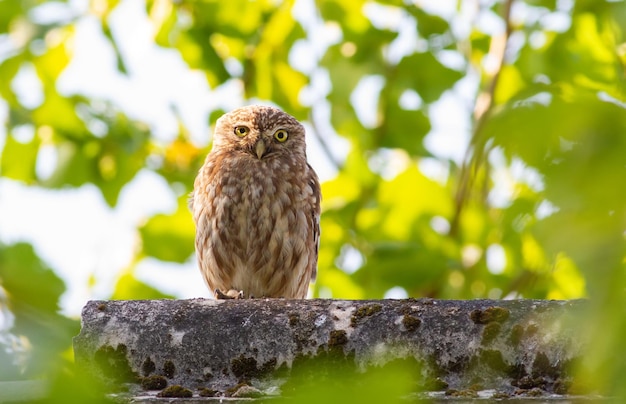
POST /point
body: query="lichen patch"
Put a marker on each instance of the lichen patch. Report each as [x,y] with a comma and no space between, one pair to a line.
[176,337]
[342,318]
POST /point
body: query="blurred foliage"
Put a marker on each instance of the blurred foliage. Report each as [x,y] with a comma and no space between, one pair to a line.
[536,209]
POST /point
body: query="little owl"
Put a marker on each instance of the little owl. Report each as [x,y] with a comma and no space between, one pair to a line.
[256,204]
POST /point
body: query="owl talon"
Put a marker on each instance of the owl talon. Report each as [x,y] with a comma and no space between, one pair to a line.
[230,294]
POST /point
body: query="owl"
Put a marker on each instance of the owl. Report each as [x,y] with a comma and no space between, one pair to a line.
[256,206]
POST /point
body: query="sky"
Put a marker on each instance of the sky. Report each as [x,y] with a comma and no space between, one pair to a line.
[83,239]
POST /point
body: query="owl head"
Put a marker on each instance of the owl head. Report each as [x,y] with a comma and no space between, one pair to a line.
[260,132]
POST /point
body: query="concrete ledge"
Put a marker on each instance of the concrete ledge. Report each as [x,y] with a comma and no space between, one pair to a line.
[253,347]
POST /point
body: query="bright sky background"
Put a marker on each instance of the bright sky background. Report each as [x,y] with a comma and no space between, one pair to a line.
[74,230]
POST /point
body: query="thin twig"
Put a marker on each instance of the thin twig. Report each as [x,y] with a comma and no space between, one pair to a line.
[474,156]
[323,143]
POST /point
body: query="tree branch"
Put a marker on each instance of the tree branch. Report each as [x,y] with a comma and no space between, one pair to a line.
[474,156]
[325,147]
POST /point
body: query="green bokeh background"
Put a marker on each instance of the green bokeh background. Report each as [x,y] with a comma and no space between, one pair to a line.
[555,104]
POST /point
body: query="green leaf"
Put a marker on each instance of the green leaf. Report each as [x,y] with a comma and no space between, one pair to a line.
[408,264]
[405,130]
[51,64]
[123,154]
[163,17]
[8,69]
[33,291]
[510,83]
[19,159]
[109,162]
[130,288]
[549,4]
[10,11]
[201,54]
[402,202]
[584,56]
[59,113]
[428,24]
[423,73]
[348,13]
[340,283]
[577,142]
[170,237]
[27,280]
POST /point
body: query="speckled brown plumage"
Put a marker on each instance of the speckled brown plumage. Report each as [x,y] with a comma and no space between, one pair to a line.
[256,204]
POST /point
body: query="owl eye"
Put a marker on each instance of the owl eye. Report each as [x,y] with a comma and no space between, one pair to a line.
[241,131]
[281,135]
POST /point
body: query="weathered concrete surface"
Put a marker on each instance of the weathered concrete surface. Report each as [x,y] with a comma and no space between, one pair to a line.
[222,348]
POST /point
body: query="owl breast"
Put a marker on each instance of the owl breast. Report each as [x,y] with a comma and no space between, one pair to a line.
[257,218]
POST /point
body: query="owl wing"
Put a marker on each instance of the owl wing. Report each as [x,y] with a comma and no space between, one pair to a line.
[190,198]
[314,219]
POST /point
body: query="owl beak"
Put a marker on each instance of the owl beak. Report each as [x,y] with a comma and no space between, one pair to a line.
[260,148]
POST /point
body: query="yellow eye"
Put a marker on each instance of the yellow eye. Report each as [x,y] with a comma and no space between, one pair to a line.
[281,135]
[241,131]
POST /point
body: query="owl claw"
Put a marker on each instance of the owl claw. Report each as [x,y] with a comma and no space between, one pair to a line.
[230,294]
